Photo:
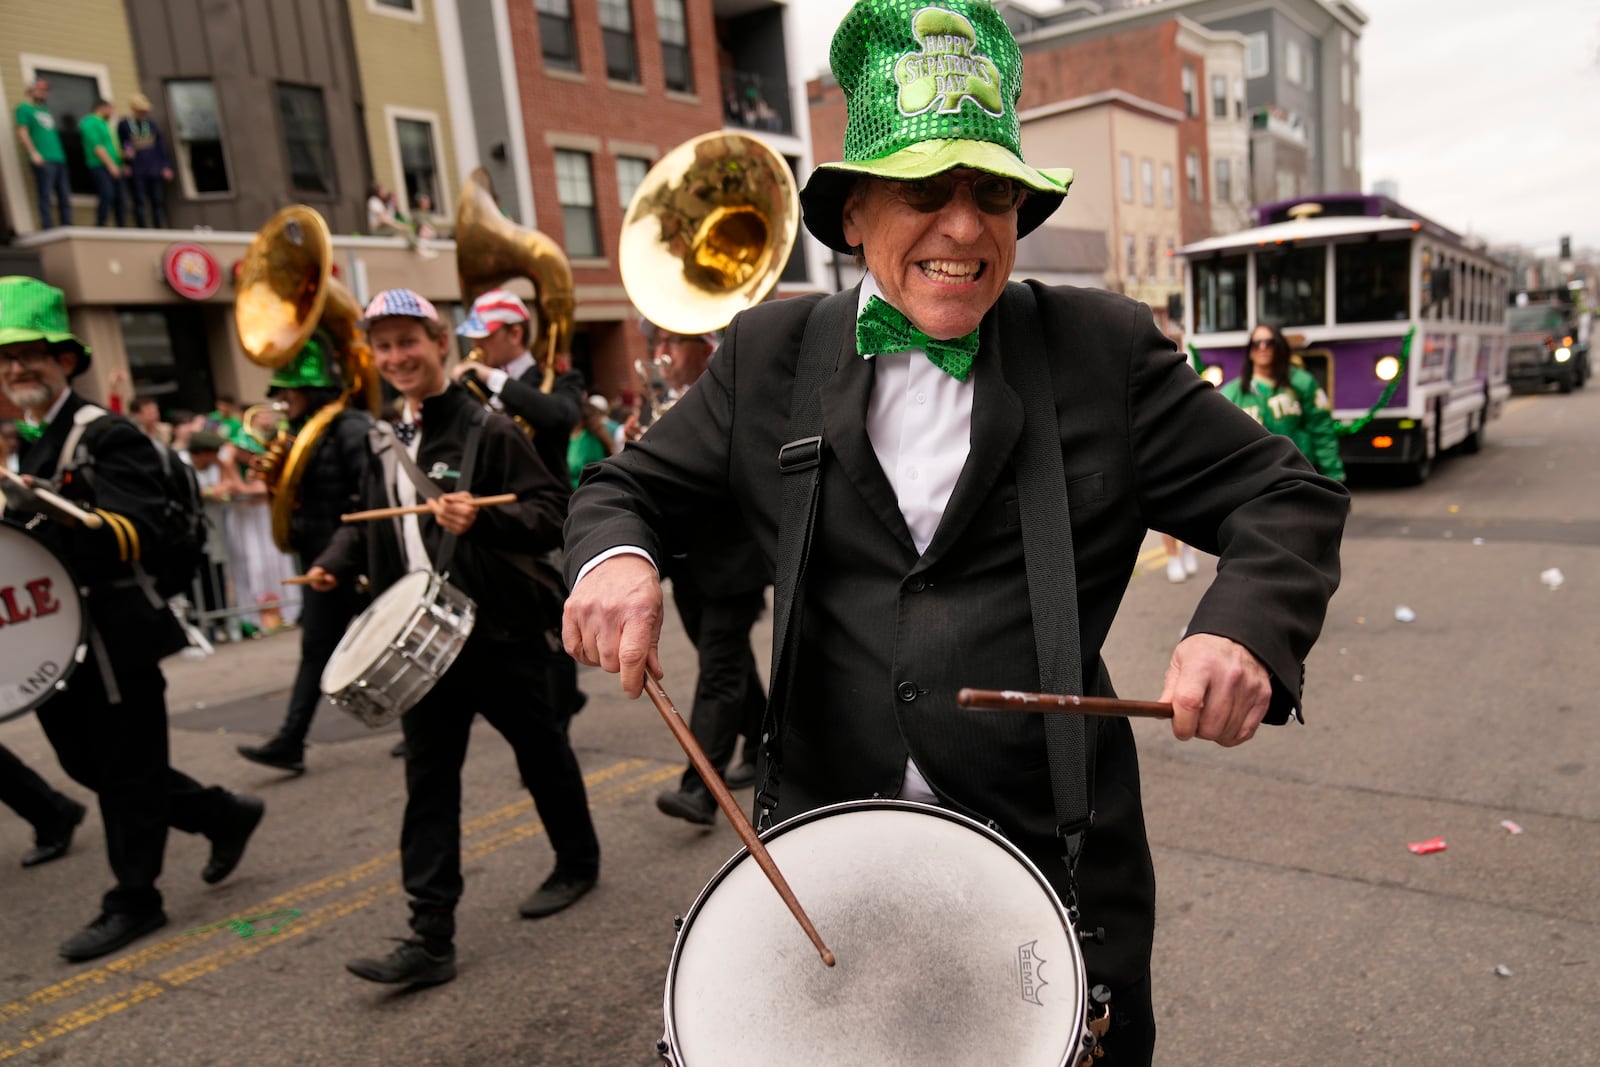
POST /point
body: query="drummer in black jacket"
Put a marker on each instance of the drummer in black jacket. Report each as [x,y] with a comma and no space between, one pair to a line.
[330,485]
[500,671]
[109,724]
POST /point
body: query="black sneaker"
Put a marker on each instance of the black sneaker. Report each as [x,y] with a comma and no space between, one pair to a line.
[53,845]
[691,805]
[227,847]
[277,753]
[560,891]
[108,933]
[410,964]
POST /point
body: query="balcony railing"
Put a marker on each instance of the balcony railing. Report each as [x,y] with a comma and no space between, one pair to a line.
[756,102]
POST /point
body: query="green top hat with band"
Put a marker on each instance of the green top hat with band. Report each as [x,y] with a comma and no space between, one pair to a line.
[308,369]
[30,310]
[929,85]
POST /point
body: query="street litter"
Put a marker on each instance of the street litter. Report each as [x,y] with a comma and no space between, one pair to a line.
[1477,540]
[1422,848]
[1553,578]
[1502,970]
[1359,678]
[1510,827]
[1405,614]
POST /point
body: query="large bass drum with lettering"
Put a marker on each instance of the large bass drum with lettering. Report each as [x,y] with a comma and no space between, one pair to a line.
[43,625]
[952,949]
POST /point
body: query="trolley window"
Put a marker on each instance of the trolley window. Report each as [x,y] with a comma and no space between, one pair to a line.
[1220,285]
[1371,281]
[1291,286]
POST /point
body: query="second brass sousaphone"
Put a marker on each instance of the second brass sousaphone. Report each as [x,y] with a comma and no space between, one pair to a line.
[708,232]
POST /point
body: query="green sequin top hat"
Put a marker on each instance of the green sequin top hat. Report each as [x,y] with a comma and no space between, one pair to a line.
[929,85]
[30,310]
[308,369]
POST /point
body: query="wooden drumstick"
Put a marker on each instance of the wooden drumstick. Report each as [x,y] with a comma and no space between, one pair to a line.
[731,809]
[1014,700]
[60,503]
[299,579]
[418,509]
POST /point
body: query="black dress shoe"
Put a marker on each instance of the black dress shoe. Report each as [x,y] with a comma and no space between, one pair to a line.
[691,805]
[279,754]
[410,964]
[227,847]
[741,775]
[54,845]
[108,933]
[560,891]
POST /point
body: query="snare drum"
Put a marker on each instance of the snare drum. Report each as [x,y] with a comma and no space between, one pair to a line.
[951,948]
[43,627]
[396,650]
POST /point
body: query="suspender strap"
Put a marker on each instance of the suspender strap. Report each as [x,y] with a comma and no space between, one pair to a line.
[1047,555]
[800,463]
[469,460]
[392,454]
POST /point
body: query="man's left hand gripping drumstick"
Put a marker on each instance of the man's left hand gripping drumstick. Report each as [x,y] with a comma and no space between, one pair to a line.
[613,620]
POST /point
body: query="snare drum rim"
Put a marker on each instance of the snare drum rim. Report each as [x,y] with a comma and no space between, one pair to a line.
[80,648]
[674,1052]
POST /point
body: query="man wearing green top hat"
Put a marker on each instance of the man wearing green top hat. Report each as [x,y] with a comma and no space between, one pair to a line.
[330,486]
[109,724]
[967,468]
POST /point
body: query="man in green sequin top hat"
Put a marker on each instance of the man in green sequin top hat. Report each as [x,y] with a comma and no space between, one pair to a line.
[967,468]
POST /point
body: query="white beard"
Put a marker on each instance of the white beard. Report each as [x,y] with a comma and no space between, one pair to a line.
[31,396]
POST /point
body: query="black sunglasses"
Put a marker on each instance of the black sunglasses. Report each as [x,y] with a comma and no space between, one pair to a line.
[993,194]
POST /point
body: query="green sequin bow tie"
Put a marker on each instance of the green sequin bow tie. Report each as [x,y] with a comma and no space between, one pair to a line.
[881,330]
[30,432]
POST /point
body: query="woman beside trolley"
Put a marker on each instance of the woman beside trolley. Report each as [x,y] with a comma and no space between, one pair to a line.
[1287,400]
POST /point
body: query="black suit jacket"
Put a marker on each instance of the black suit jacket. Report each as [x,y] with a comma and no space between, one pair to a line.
[888,638]
[552,415]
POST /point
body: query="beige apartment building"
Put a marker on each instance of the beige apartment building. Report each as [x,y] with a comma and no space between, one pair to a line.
[1124,154]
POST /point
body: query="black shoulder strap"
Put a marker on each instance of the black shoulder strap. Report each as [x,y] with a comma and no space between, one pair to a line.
[1047,556]
[800,462]
[469,462]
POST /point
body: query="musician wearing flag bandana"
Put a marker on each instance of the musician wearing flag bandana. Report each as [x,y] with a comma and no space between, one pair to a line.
[446,451]
[991,457]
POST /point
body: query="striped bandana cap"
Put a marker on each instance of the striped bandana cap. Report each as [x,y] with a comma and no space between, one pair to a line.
[491,311]
[392,302]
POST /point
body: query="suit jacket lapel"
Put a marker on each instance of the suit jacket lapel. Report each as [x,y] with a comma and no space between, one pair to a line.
[996,428]
[43,457]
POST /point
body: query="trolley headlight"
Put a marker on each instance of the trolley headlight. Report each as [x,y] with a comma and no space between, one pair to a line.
[1212,374]
[1563,354]
[1387,368]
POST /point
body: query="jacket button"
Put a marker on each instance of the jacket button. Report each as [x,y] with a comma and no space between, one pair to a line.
[917,584]
[906,691]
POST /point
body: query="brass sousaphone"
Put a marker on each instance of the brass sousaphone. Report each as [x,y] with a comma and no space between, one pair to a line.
[286,293]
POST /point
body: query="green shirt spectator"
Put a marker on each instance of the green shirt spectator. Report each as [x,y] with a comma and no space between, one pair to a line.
[96,133]
[41,129]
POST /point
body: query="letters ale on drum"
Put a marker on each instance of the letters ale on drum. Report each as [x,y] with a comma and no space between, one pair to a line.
[15,610]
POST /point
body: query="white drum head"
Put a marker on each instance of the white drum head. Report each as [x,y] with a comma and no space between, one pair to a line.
[951,950]
[374,630]
[41,622]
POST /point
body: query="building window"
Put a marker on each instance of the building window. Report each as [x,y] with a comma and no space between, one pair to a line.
[197,135]
[1191,106]
[630,173]
[399,5]
[1166,184]
[1219,96]
[616,30]
[406,9]
[1293,62]
[1224,190]
[672,23]
[1130,259]
[1238,99]
[1147,181]
[557,42]
[305,138]
[575,189]
[1172,260]
[418,142]
[1191,173]
[72,97]
[1150,258]
[1257,63]
[1344,82]
[1126,168]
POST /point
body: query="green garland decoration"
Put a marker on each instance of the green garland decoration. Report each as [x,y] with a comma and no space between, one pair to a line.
[1194,358]
[1345,429]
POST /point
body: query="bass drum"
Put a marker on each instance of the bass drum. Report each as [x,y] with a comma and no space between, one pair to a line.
[952,949]
[43,625]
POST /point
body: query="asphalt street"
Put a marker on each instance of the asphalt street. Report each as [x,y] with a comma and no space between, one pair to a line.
[1294,924]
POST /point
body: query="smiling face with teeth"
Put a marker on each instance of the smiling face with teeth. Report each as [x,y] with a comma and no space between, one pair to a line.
[942,269]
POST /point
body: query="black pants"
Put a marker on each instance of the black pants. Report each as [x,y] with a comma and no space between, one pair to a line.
[120,752]
[110,193]
[24,792]
[729,698]
[149,189]
[1131,1041]
[324,617]
[506,684]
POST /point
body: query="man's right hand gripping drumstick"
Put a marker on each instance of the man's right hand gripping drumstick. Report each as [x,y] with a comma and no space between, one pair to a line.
[322,581]
[613,620]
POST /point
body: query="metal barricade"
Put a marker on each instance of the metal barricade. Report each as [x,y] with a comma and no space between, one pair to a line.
[238,590]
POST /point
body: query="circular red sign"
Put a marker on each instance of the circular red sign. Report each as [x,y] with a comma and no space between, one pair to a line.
[191,271]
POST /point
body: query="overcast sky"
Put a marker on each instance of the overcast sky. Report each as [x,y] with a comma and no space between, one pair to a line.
[1486,113]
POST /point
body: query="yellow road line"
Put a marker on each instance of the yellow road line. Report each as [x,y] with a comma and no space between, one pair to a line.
[331,883]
